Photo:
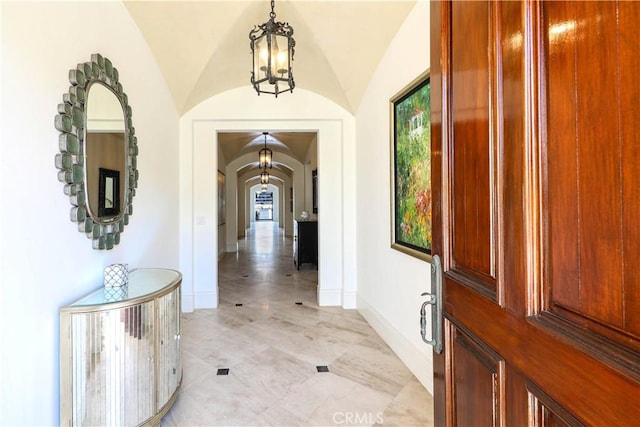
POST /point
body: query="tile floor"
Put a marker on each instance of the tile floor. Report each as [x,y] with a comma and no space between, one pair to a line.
[272,346]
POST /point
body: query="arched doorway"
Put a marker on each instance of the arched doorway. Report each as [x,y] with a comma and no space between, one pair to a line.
[239,110]
[264,203]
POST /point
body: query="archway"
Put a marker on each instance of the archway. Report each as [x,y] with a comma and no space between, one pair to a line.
[241,110]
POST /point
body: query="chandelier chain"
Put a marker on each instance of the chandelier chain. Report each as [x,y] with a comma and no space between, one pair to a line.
[272,15]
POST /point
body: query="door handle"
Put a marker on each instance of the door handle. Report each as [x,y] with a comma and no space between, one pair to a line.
[434,299]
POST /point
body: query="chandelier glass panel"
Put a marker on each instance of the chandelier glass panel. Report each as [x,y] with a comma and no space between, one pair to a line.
[272,48]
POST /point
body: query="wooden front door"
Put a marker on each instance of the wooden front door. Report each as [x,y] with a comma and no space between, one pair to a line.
[536,175]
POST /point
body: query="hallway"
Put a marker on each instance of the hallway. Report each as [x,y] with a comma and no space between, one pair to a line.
[275,345]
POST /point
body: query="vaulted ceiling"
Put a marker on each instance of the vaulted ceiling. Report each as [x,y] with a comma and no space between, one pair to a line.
[293,144]
[202,47]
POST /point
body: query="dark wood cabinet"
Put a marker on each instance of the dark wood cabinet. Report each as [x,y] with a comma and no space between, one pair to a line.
[305,242]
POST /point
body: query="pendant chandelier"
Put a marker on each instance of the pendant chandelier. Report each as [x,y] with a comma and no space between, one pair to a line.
[264,188]
[264,177]
[272,49]
[265,155]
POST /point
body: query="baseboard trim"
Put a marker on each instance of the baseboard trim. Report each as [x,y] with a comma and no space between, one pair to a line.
[187,303]
[329,297]
[418,362]
[349,300]
[206,300]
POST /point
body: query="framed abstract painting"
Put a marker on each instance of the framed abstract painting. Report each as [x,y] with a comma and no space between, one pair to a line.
[411,229]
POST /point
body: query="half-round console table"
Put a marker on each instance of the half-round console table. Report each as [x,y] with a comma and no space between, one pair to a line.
[120,361]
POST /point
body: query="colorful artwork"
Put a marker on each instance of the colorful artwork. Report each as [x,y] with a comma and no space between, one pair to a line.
[411,116]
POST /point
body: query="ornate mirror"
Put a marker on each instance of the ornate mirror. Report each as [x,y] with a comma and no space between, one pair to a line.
[98,149]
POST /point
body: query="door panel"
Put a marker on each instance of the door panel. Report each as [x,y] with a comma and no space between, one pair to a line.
[476,381]
[517,398]
[513,217]
[536,184]
[581,383]
[547,412]
[472,157]
[629,133]
[593,166]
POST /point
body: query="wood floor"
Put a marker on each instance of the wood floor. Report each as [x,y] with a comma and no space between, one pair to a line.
[289,361]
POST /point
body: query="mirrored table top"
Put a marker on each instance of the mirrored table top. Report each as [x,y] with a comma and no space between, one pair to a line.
[143,282]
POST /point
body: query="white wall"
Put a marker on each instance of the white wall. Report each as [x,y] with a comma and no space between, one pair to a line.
[45,263]
[390,282]
[243,110]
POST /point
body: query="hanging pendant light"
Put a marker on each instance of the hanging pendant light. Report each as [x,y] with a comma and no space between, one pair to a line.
[264,177]
[272,49]
[265,155]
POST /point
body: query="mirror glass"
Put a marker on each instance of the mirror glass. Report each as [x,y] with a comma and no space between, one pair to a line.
[105,152]
[97,162]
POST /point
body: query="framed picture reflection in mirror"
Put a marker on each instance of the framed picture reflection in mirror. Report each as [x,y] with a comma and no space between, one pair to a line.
[108,193]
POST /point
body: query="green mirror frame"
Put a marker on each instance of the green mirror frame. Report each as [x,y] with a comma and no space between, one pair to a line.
[71,162]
